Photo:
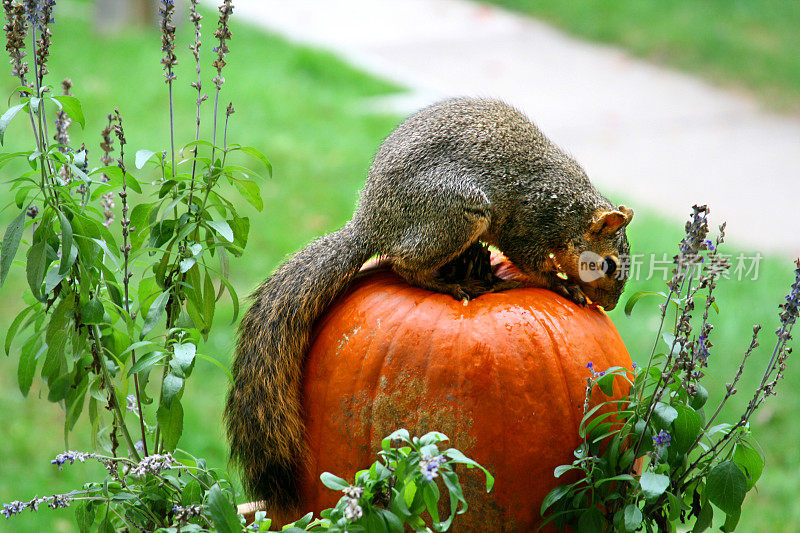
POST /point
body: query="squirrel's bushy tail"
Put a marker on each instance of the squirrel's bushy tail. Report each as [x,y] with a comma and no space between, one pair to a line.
[263,411]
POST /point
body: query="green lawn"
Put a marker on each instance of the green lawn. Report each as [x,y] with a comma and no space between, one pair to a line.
[305,110]
[750,43]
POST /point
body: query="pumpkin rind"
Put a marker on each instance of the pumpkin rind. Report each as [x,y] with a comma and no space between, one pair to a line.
[503,377]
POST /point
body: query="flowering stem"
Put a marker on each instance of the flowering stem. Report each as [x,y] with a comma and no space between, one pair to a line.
[196,18]
[172,130]
[94,333]
[126,274]
[214,127]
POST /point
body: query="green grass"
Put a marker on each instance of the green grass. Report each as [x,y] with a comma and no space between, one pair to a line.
[749,43]
[304,110]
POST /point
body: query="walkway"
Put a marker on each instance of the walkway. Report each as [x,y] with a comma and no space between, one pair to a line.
[662,139]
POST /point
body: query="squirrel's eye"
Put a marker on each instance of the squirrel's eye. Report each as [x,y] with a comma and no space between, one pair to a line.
[609,266]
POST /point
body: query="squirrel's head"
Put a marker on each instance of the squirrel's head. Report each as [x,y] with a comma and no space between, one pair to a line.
[595,259]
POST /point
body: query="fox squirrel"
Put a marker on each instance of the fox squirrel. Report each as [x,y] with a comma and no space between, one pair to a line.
[455,173]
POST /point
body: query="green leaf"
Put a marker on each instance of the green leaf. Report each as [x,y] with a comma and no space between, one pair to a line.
[592,521]
[665,413]
[58,388]
[170,387]
[251,192]
[37,264]
[606,384]
[84,515]
[52,280]
[553,496]
[12,330]
[393,522]
[154,314]
[430,495]
[700,398]
[7,117]
[72,106]
[192,493]
[704,519]
[74,403]
[234,298]
[11,244]
[241,230]
[66,244]
[333,482]
[409,493]
[459,457]
[222,511]
[170,421]
[685,428]
[631,303]
[653,485]
[183,357]
[560,470]
[750,461]
[731,521]
[27,365]
[209,300]
[146,362]
[633,517]
[106,526]
[223,228]
[92,312]
[249,150]
[726,487]
[142,157]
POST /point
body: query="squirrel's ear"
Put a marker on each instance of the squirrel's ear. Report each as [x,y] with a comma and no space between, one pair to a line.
[609,222]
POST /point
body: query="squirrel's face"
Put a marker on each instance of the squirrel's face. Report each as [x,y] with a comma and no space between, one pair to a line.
[596,259]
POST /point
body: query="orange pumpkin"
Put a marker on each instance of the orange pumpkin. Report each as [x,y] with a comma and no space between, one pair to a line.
[503,377]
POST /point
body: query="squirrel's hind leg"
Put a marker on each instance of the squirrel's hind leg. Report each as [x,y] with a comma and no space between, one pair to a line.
[429,245]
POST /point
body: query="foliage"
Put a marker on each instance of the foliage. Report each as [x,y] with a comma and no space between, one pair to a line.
[395,491]
[115,314]
[659,456]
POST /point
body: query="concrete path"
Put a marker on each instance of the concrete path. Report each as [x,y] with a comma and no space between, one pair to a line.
[660,138]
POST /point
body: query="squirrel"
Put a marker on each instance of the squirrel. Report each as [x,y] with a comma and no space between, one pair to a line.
[455,173]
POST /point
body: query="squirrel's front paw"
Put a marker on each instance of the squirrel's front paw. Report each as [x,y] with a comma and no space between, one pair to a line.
[571,291]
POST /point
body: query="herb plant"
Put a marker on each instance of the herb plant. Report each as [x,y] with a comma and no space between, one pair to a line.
[660,456]
[120,297]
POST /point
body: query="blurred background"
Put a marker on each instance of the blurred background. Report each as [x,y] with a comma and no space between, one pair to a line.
[666,104]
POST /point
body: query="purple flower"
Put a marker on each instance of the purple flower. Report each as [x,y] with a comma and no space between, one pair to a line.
[10,509]
[663,439]
[430,466]
[595,374]
[702,349]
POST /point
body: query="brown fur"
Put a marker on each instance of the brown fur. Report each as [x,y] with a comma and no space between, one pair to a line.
[457,172]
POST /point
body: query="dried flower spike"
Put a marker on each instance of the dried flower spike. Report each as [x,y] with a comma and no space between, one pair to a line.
[167,10]
[16,30]
[223,34]
[44,9]
[63,122]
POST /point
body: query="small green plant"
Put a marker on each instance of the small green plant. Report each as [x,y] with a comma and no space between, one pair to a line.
[395,491]
[119,301]
[660,456]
